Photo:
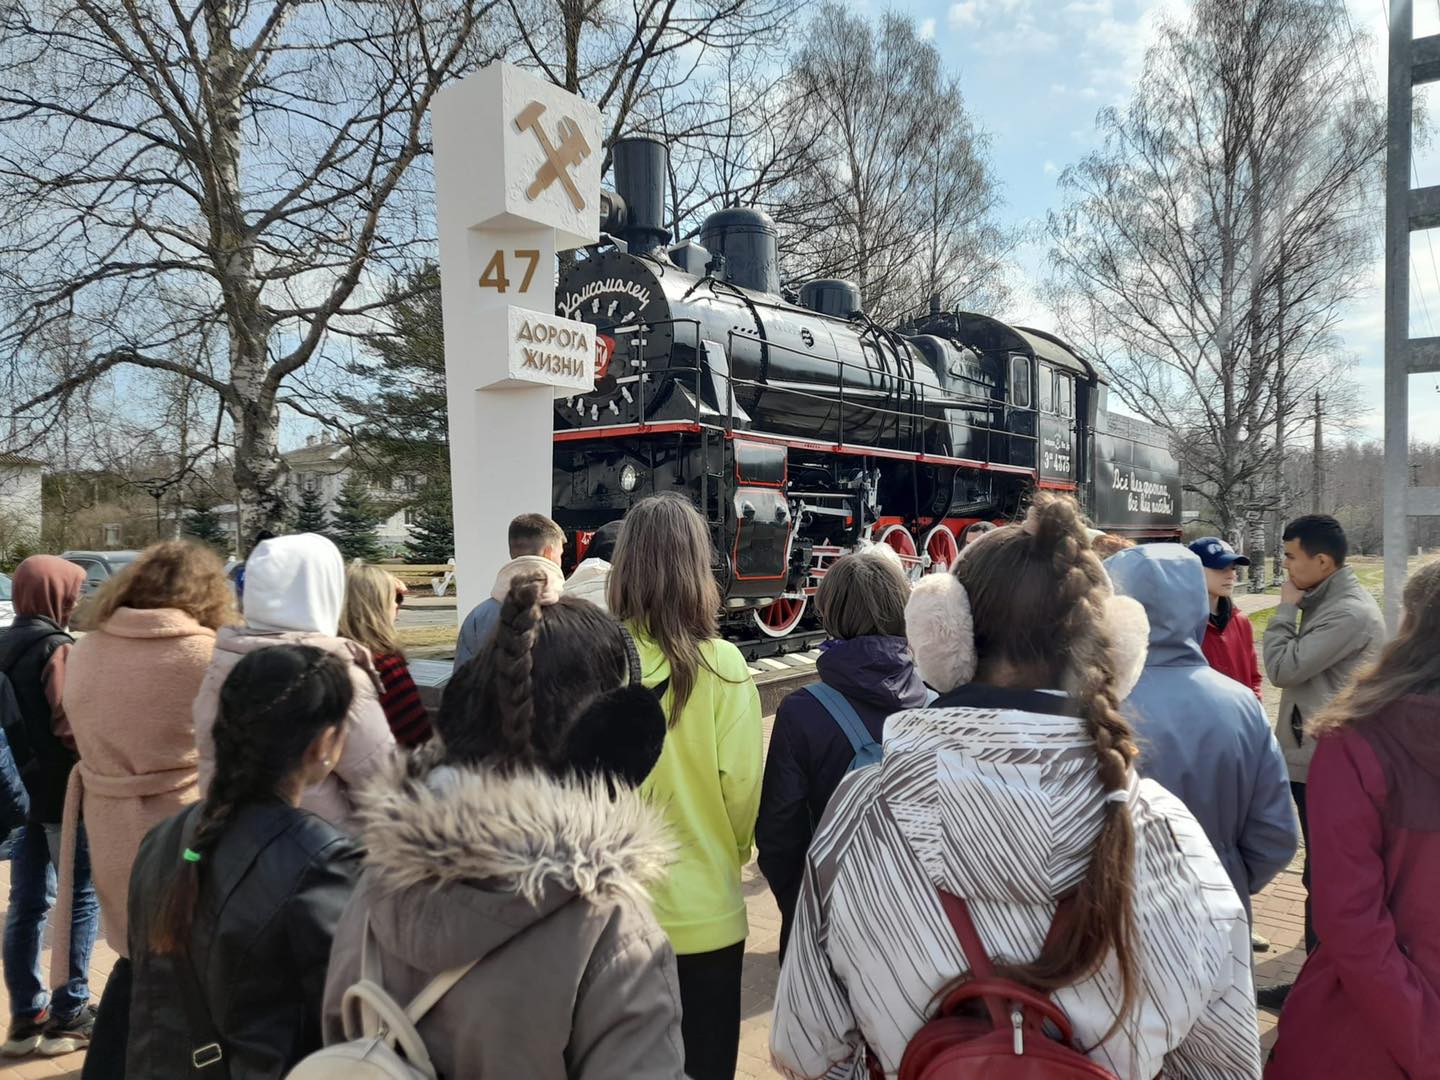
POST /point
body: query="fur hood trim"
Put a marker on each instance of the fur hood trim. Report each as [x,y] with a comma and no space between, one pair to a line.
[941,631]
[426,823]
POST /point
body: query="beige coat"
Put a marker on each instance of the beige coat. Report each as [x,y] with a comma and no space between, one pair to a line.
[543,883]
[129,687]
[369,745]
[1311,659]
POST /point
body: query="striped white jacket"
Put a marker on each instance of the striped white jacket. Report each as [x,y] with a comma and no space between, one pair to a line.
[1002,807]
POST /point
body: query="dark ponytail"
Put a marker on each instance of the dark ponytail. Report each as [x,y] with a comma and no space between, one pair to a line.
[1038,594]
[520,703]
[273,705]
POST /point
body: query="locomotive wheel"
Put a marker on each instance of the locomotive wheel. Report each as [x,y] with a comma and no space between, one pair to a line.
[899,538]
[782,617]
[941,546]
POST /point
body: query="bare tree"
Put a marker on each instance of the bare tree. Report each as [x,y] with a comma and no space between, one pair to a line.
[205,191]
[903,192]
[1208,250]
[627,57]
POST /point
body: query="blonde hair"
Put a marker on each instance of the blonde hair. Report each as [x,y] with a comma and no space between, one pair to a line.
[1409,664]
[662,581]
[175,574]
[365,619]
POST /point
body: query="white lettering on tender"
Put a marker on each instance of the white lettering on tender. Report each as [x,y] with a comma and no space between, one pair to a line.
[1143,496]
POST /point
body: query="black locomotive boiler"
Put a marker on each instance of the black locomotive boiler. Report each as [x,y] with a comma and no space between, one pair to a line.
[803,430]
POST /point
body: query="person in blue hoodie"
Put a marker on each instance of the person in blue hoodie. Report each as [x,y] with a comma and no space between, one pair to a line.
[1203,736]
[862,607]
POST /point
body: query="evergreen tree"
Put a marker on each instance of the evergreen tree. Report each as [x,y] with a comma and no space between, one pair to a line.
[402,424]
[203,524]
[310,516]
[432,537]
[356,515]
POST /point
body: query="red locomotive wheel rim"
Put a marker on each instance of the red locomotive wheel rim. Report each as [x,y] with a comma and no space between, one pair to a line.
[781,617]
[899,538]
[943,549]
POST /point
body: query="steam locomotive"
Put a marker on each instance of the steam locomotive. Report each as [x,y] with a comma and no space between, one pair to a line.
[802,429]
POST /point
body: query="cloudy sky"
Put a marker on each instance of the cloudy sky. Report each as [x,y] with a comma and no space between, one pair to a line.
[1035,73]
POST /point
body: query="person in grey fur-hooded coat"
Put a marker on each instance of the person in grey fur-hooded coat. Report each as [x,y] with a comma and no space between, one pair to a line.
[540,879]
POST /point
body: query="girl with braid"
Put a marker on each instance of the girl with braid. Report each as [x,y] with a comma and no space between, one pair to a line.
[1012,792]
[517,854]
[234,901]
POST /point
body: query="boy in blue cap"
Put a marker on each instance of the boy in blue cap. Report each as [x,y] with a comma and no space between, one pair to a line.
[1229,643]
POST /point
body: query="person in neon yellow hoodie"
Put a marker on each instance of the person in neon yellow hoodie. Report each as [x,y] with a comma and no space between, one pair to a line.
[707,782]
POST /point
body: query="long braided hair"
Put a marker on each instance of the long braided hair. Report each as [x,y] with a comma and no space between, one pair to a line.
[515,705]
[1038,594]
[273,706]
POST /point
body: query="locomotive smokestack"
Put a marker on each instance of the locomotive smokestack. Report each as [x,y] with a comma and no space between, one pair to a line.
[641,178]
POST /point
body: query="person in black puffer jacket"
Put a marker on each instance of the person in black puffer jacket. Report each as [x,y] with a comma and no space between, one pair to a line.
[32,657]
[862,607]
[234,901]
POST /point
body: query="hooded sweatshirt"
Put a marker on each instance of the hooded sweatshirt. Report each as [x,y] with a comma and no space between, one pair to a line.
[590,581]
[480,623]
[1001,807]
[810,754]
[707,786]
[33,653]
[1202,735]
[542,883]
[1367,1003]
[294,589]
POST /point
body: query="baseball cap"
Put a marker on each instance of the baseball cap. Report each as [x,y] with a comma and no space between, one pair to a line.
[1217,554]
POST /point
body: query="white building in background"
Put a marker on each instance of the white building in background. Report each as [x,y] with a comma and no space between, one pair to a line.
[325,467]
[20,517]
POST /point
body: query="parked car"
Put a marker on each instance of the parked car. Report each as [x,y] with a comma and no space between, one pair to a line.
[100,566]
[7,613]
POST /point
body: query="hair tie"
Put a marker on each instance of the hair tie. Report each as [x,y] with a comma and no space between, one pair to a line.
[190,855]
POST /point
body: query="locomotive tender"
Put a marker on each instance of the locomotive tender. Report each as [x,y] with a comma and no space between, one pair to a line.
[803,430]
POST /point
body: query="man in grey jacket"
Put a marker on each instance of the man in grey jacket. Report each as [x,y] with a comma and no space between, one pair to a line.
[1312,658]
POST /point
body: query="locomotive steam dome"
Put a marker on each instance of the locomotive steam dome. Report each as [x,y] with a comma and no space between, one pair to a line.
[831,296]
[746,238]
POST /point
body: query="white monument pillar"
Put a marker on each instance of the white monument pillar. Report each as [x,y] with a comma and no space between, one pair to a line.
[517,178]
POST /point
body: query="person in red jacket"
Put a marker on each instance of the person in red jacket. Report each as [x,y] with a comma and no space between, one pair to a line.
[1367,1002]
[1229,643]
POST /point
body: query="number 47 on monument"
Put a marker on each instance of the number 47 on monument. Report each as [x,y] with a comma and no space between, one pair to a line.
[493,276]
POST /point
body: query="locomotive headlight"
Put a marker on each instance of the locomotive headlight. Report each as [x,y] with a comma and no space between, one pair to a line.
[629,478]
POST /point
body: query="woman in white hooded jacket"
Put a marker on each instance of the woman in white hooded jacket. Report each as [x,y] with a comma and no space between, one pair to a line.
[294,592]
[1012,791]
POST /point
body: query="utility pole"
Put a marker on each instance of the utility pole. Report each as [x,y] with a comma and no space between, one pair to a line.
[1412,63]
[1317,483]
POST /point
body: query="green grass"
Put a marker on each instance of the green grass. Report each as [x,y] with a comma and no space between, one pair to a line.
[1261,619]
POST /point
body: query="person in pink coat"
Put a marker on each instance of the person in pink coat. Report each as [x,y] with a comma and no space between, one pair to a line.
[1367,1003]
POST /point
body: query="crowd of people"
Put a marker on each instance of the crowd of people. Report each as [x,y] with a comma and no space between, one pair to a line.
[1033,794]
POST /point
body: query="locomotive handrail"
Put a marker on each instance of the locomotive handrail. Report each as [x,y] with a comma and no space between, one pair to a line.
[933,407]
[918,391]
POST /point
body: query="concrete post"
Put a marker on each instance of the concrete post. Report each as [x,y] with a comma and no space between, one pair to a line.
[517,178]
